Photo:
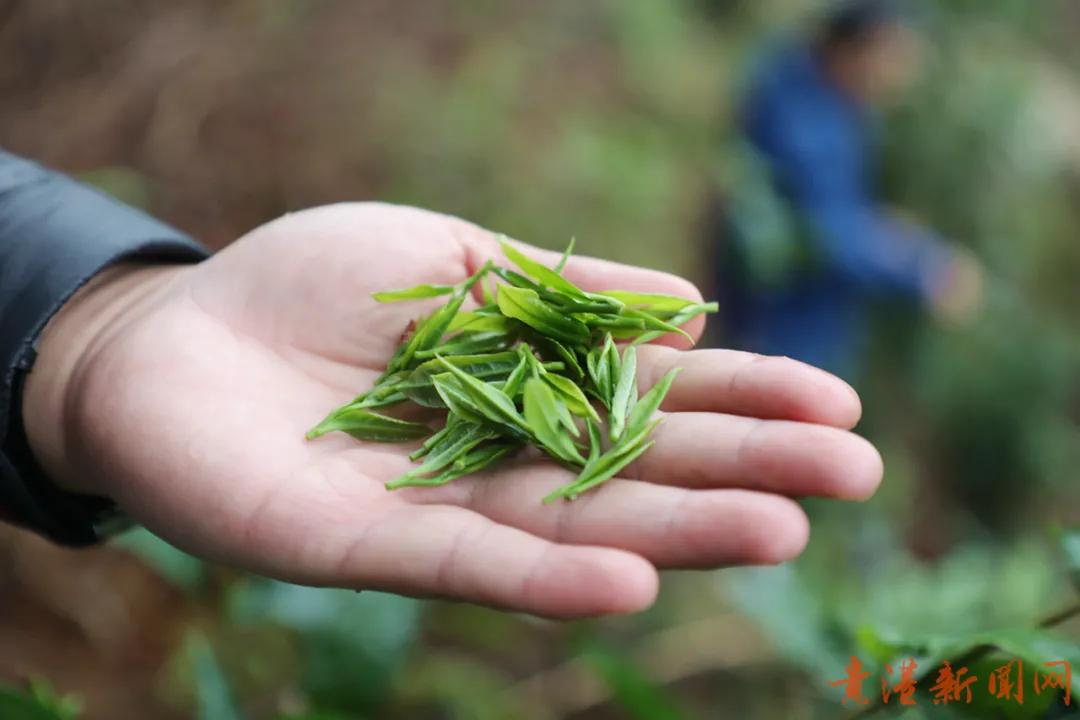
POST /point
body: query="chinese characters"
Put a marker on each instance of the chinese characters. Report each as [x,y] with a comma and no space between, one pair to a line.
[956,684]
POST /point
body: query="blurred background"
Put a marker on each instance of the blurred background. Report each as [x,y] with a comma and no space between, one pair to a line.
[615,122]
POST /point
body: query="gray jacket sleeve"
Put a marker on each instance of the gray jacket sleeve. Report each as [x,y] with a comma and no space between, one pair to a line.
[55,234]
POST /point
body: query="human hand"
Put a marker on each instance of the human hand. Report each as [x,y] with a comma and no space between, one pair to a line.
[183,393]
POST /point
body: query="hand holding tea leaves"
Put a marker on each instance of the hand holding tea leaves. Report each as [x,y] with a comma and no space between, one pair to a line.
[496,411]
[184,394]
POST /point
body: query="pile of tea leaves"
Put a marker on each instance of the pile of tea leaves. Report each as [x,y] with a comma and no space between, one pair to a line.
[535,365]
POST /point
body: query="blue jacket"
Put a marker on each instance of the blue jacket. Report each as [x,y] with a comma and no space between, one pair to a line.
[817,144]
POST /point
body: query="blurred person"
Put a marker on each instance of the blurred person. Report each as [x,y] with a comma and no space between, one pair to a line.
[142,376]
[810,244]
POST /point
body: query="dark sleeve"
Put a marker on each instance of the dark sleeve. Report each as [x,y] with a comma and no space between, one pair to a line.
[55,234]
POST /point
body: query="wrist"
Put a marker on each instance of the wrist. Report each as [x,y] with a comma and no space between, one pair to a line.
[70,347]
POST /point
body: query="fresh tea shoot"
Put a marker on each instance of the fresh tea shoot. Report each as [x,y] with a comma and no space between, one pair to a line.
[535,365]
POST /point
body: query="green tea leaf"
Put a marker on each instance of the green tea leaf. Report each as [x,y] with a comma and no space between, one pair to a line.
[634,326]
[583,302]
[463,438]
[625,395]
[592,365]
[653,302]
[469,343]
[554,350]
[596,443]
[600,375]
[562,412]
[681,318]
[539,272]
[486,366]
[487,287]
[456,399]
[385,385]
[478,459]
[614,364]
[363,424]
[516,381]
[526,306]
[377,401]
[581,308]
[604,366]
[554,288]
[417,292]
[489,400]
[572,395]
[394,363]
[453,445]
[385,393]
[429,332]
[515,279]
[565,256]
[476,321]
[432,440]
[547,420]
[656,324]
[474,461]
[650,403]
[607,465]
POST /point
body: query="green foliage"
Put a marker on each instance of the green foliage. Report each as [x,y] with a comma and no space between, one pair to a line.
[213,696]
[37,702]
[981,604]
[980,153]
[1070,550]
[175,566]
[352,643]
[633,692]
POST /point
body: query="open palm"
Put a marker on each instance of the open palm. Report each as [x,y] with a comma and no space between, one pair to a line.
[189,409]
